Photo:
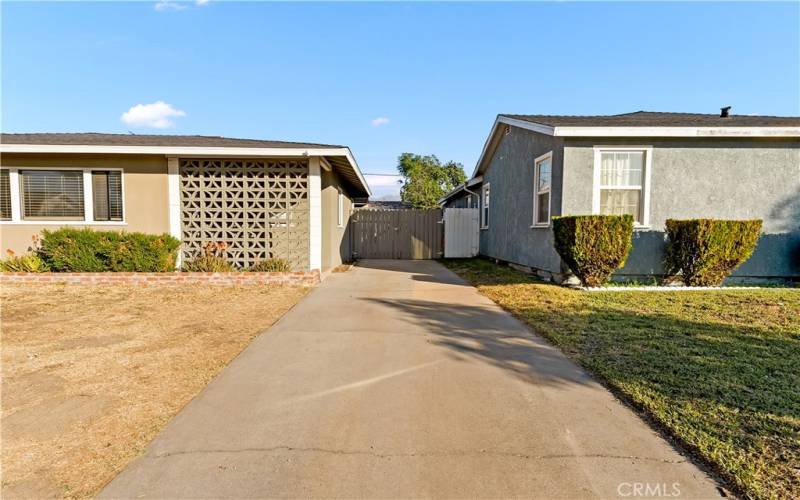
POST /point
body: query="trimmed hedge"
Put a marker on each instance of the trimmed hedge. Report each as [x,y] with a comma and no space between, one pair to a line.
[85,250]
[593,246]
[706,251]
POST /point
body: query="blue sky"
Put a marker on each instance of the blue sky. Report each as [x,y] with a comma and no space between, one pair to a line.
[386,78]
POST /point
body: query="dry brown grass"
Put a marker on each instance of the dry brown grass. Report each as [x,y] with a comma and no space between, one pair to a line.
[92,373]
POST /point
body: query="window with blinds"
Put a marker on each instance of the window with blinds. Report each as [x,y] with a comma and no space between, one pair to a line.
[52,194]
[5,195]
[107,195]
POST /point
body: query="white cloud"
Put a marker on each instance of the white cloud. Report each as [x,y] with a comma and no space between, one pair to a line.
[155,115]
[202,2]
[164,5]
[383,180]
[381,120]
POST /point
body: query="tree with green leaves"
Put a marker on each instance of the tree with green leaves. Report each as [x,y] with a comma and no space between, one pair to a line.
[426,179]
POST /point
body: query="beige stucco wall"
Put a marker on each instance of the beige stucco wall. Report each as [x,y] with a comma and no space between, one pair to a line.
[335,239]
[145,193]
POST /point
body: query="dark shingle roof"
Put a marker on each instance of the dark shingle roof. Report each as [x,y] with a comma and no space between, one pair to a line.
[97,139]
[656,119]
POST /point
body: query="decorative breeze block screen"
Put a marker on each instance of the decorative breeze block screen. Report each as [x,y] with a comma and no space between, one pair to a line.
[259,208]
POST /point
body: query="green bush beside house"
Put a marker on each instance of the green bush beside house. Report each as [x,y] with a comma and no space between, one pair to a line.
[85,250]
[706,251]
[593,246]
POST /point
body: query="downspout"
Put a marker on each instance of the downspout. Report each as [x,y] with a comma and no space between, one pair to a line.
[477,196]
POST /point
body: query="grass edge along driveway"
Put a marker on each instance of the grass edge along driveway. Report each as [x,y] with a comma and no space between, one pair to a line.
[717,370]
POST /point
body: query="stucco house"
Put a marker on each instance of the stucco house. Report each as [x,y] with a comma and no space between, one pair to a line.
[654,166]
[263,198]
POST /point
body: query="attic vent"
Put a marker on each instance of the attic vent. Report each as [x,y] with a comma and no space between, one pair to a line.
[724,112]
[507,130]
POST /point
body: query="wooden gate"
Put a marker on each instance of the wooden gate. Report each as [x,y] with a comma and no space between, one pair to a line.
[397,234]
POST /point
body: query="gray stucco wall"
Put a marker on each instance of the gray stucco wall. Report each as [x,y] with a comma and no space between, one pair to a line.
[509,236]
[706,178]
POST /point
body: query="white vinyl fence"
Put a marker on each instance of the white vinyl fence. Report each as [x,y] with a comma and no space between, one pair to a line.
[460,232]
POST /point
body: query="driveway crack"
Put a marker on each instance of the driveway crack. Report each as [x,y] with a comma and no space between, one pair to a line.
[422,454]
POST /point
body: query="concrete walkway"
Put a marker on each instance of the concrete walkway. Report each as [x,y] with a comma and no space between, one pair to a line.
[397,380]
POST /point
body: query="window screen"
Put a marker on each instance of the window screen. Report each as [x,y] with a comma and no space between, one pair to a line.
[52,194]
[107,195]
[5,195]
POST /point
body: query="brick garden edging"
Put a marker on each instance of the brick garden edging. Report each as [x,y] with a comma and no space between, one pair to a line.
[176,278]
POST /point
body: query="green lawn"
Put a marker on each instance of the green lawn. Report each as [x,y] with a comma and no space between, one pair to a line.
[719,370]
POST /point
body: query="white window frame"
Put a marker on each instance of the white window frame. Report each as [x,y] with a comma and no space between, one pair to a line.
[536,192]
[340,208]
[485,207]
[88,200]
[645,187]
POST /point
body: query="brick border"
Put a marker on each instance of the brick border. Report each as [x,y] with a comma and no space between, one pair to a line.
[176,278]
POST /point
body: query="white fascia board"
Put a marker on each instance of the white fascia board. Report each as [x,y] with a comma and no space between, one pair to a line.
[705,132]
[188,152]
[535,127]
[486,146]
[677,131]
[352,161]
[653,131]
[182,151]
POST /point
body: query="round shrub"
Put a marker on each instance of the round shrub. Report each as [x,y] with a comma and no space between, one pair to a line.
[593,246]
[706,251]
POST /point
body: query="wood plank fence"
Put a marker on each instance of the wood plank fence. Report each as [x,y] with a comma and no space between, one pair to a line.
[397,234]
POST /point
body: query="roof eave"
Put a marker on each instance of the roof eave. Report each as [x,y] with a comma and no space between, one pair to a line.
[189,152]
[461,187]
[649,131]
[686,132]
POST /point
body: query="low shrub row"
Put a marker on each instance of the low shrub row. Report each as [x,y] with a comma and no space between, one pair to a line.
[85,251]
[702,252]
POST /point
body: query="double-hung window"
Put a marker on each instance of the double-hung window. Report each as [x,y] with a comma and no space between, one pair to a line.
[622,182]
[485,205]
[542,181]
[81,195]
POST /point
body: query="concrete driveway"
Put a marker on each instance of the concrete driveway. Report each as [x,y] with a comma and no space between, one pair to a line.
[398,380]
